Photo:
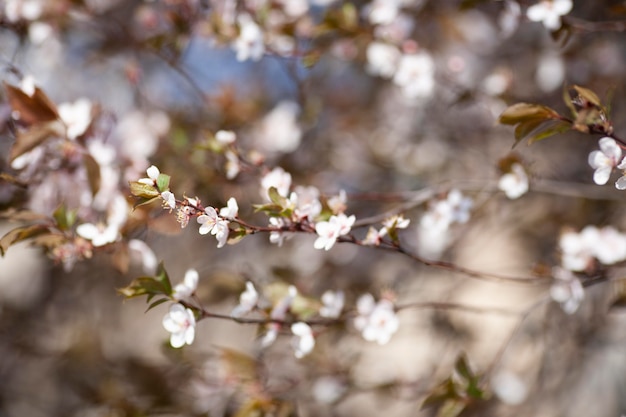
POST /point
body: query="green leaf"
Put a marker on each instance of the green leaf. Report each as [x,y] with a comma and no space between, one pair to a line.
[567,98]
[451,408]
[349,17]
[93,173]
[21,233]
[525,128]
[463,368]
[144,286]
[156,303]
[524,112]
[163,182]
[551,130]
[146,191]
[276,198]
[63,217]
[164,278]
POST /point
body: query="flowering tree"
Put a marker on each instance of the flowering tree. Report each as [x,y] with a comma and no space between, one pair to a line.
[317,203]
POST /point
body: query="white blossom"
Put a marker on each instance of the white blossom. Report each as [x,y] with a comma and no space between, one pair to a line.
[231,210]
[337,203]
[279,131]
[249,44]
[383,12]
[221,231]
[233,167]
[620,184]
[549,12]
[329,231]
[577,249]
[416,75]
[181,323]
[247,301]
[374,237]
[169,200]
[396,222]
[382,59]
[604,160]
[207,221]
[147,256]
[566,290]
[278,237]
[303,341]
[16,10]
[279,312]
[76,116]
[278,179]
[99,234]
[225,137]
[185,289]
[333,302]
[514,183]
[377,322]
[509,388]
[307,204]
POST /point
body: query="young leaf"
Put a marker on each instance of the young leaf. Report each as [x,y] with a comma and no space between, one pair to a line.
[146,191]
[93,173]
[164,278]
[524,112]
[588,95]
[163,182]
[33,137]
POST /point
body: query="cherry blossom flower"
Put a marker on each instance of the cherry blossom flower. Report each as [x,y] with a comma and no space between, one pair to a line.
[328,389]
[303,341]
[337,203]
[99,234]
[374,237]
[566,290]
[332,304]
[549,12]
[278,237]
[249,44]
[415,75]
[247,301]
[185,289]
[28,85]
[76,117]
[620,184]
[279,130]
[382,59]
[221,231]
[278,179]
[514,183]
[169,200]
[181,323]
[225,137]
[604,160]
[377,322]
[153,175]
[16,10]
[307,204]
[279,312]
[146,255]
[207,221]
[610,247]
[509,388]
[232,166]
[577,249]
[460,206]
[383,12]
[231,210]
[396,222]
[329,231]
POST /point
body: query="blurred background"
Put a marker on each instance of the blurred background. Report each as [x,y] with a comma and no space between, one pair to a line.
[319,101]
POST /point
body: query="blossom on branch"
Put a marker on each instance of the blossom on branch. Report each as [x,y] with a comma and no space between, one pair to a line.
[514,183]
[303,341]
[604,160]
[328,232]
[189,285]
[332,304]
[549,12]
[249,44]
[181,323]
[231,210]
[377,322]
[567,290]
[277,178]
[76,117]
[207,221]
[247,301]
[153,175]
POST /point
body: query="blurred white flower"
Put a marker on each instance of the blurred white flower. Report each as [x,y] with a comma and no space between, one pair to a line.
[416,75]
[278,179]
[566,290]
[337,203]
[76,116]
[232,166]
[99,234]
[383,12]
[15,10]
[509,18]
[279,131]
[307,204]
[604,160]
[550,72]
[303,341]
[328,389]
[382,59]
[577,249]
[611,246]
[28,85]
[247,301]
[332,304]
[249,44]
[509,388]
[277,237]
[514,183]
[549,12]
[225,137]
[146,255]
[279,312]
[329,231]
[377,322]
[396,221]
[181,323]
[374,237]
[231,210]
[185,289]
[294,8]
